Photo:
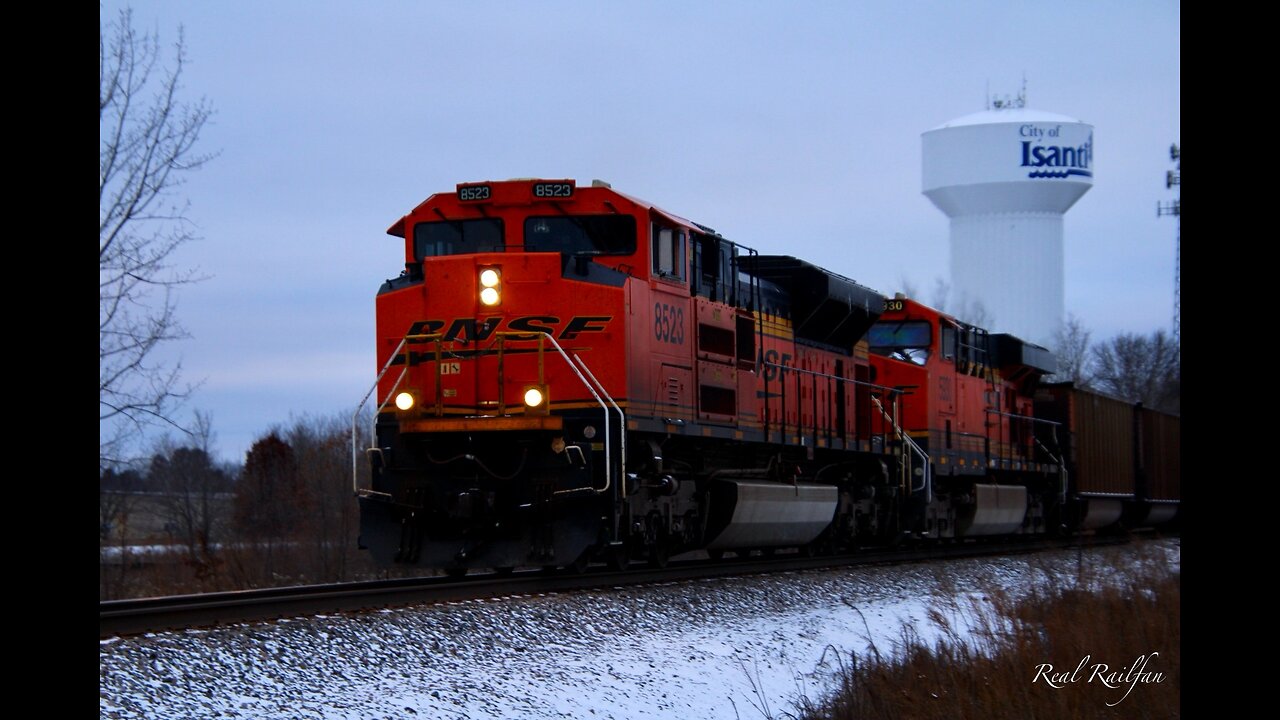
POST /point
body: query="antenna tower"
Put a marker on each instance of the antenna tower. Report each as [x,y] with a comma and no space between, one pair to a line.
[1171,178]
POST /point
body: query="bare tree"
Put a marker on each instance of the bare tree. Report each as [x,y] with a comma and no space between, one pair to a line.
[322,446]
[194,493]
[147,136]
[1141,368]
[960,305]
[271,505]
[117,502]
[908,288]
[941,291]
[1071,345]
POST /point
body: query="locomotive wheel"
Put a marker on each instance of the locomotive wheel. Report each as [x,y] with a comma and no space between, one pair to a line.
[503,571]
[659,554]
[660,550]
[457,573]
[618,557]
[579,566]
[658,557]
[715,554]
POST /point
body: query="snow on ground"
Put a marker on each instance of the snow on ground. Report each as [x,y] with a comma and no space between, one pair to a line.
[731,648]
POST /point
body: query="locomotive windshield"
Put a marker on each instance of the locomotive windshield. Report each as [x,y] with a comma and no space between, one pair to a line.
[907,340]
[455,237]
[581,234]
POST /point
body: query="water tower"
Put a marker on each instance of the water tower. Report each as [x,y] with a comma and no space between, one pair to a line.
[1005,176]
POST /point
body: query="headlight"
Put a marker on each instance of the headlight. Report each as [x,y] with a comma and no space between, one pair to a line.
[491,284]
[404,400]
[533,397]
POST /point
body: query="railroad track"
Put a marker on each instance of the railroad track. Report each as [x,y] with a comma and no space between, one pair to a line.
[176,612]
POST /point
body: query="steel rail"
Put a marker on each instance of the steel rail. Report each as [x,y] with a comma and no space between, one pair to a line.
[158,614]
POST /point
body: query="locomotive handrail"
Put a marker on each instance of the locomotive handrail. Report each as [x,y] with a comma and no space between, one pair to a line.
[607,460]
[622,424]
[500,341]
[608,475]
[993,411]
[928,464]
[355,417]
[1062,465]
[864,383]
[893,391]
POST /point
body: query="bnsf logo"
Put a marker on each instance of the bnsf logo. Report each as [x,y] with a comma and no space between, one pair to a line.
[471,329]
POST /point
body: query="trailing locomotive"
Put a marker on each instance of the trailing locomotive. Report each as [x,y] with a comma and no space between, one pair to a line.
[572,374]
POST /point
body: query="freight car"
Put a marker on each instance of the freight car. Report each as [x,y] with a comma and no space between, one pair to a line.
[570,374]
[1122,459]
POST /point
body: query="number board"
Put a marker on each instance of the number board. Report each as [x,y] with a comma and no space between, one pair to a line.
[559,189]
[474,193]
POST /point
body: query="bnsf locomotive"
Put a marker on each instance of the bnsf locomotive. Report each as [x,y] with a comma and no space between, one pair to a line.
[571,374]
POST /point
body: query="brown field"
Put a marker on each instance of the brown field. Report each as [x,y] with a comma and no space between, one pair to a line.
[1105,646]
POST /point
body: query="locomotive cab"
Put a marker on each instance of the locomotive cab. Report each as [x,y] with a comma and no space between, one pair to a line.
[497,439]
[570,373]
[970,411]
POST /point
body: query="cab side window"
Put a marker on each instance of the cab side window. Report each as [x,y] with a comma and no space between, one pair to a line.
[669,260]
[948,342]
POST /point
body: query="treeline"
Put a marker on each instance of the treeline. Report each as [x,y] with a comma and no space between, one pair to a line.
[1129,366]
[181,523]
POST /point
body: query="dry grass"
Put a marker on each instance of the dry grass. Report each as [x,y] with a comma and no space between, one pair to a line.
[243,567]
[993,658]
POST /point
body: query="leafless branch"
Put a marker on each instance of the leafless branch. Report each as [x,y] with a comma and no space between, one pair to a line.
[147,140]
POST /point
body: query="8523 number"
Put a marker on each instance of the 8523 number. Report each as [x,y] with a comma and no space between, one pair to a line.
[668,323]
[553,190]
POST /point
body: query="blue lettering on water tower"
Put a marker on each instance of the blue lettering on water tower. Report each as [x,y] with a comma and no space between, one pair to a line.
[1046,159]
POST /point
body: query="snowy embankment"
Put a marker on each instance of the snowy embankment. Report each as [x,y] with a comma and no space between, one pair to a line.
[735,648]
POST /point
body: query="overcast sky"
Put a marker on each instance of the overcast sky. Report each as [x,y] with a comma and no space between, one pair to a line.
[793,128]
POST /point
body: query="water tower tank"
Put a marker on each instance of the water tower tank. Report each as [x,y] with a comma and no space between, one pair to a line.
[1005,177]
